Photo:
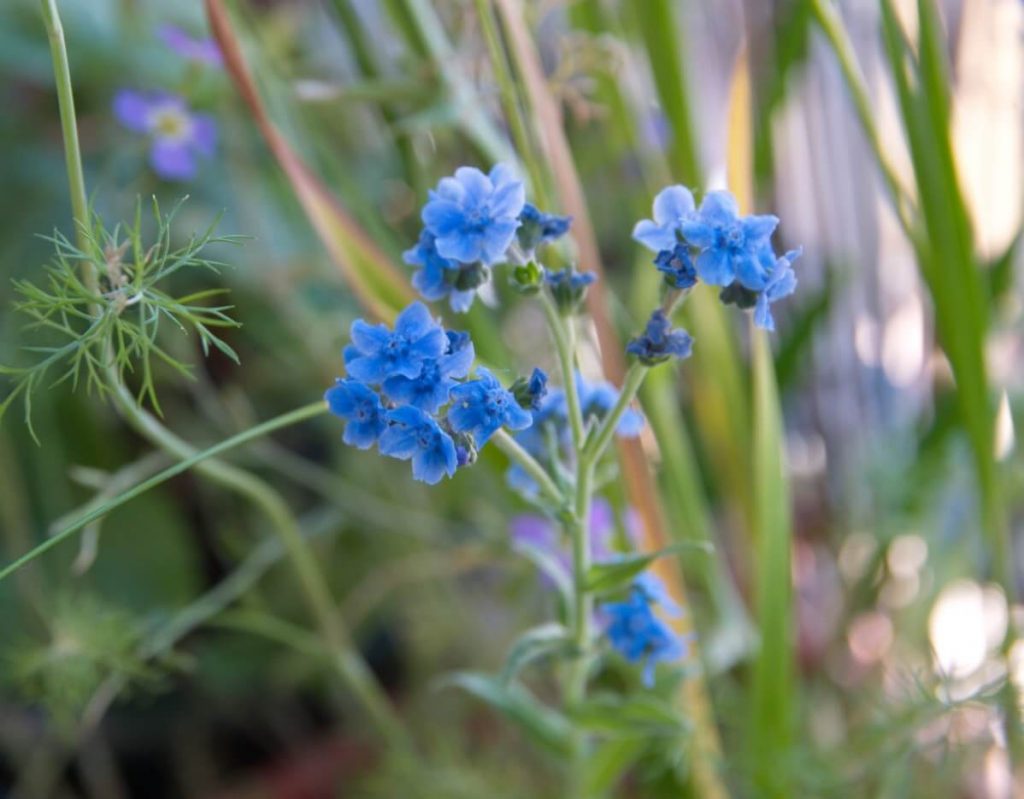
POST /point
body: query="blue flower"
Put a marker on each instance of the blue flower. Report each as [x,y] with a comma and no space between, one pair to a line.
[413,434]
[677,266]
[596,399]
[569,287]
[637,633]
[474,216]
[672,207]
[537,227]
[440,277]
[178,136]
[729,244]
[360,407]
[481,406]
[659,341]
[428,391]
[377,353]
[779,283]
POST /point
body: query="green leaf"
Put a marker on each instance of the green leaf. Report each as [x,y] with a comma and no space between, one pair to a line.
[542,725]
[544,641]
[615,575]
[629,716]
[609,762]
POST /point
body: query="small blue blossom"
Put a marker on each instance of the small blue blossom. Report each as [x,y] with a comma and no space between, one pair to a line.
[537,227]
[413,434]
[429,390]
[481,406]
[377,353]
[729,244]
[569,287]
[672,207]
[637,633]
[677,266]
[474,216]
[781,282]
[537,387]
[440,277]
[361,408]
[179,137]
[659,341]
[203,51]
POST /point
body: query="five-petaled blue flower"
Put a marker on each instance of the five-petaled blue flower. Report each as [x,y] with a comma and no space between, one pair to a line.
[429,390]
[361,408]
[178,135]
[729,244]
[481,406]
[537,227]
[637,633]
[439,277]
[659,341]
[672,207]
[677,267]
[413,434]
[474,216]
[377,353]
[779,282]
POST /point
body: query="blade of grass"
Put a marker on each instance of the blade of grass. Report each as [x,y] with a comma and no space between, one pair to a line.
[375,282]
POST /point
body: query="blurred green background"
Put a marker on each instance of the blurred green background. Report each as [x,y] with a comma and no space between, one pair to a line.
[157,654]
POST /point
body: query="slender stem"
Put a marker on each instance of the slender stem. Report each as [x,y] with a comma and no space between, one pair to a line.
[832,27]
[285,420]
[602,438]
[564,334]
[346,659]
[515,452]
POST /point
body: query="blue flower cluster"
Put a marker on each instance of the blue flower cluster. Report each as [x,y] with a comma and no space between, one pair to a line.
[549,436]
[722,248]
[637,633]
[472,221]
[399,382]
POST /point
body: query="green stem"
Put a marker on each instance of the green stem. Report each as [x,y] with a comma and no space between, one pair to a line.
[349,665]
[602,438]
[285,420]
[515,452]
[564,334]
[831,25]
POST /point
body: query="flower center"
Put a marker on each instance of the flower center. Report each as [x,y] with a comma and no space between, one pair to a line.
[170,123]
[734,236]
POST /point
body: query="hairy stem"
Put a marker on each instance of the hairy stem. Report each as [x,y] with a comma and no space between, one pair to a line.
[515,452]
[564,334]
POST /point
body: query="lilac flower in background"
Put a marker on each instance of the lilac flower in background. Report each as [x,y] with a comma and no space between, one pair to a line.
[204,51]
[729,243]
[474,216]
[677,267]
[361,408]
[637,633]
[779,283]
[542,533]
[377,353]
[481,406]
[659,341]
[179,136]
[416,436]
[429,390]
[440,277]
[672,207]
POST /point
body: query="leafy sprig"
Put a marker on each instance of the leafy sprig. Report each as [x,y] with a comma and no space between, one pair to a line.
[96,334]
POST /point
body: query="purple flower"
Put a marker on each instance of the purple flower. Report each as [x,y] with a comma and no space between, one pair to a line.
[672,207]
[474,216]
[204,51]
[177,134]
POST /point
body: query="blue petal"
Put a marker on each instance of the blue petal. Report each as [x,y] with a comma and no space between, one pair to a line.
[367,338]
[719,208]
[697,232]
[462,301]
[715,267]
[496,240]
[517,418]
[631,424]
[653,236]
[508,199]
[132,110]
[476,185]
[431,465]
[172,159]
[442,217]
[763,313]
[672,205]
[462,245]
[756,228]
